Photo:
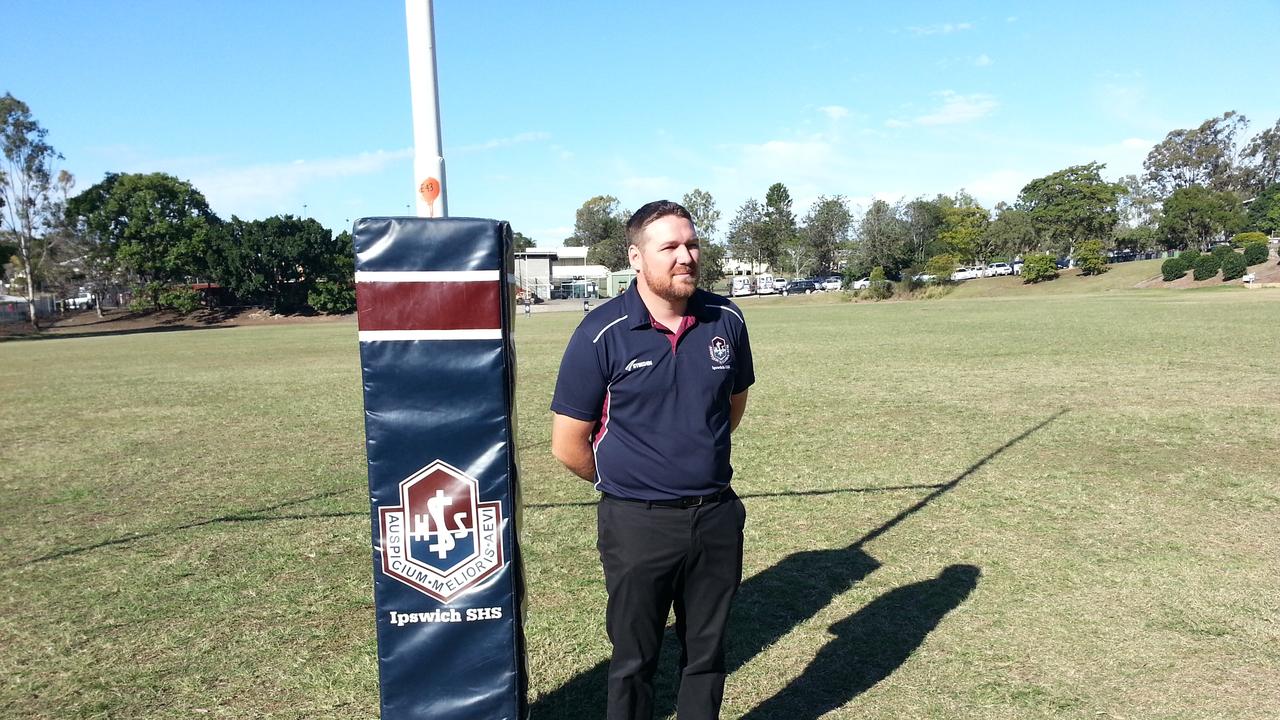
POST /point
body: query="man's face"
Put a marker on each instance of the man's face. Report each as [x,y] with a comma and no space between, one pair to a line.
[667,258]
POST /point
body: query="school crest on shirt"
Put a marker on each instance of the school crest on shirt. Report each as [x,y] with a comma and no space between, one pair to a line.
[720,352]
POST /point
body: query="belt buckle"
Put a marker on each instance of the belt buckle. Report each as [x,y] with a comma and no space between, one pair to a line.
[699,502]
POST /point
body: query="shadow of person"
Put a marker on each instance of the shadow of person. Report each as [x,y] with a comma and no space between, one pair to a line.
[869,645]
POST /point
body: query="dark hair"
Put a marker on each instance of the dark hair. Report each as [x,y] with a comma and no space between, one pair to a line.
[650,212]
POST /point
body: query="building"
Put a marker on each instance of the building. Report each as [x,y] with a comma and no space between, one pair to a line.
[539,269]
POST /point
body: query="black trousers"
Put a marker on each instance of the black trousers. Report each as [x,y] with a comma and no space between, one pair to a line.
[655,557]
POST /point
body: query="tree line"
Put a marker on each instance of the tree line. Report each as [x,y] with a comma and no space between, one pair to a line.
[155,235]
[1199,186]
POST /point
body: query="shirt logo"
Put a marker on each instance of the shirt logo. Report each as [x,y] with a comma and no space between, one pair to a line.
[441,540]
[719,350]
[637,364]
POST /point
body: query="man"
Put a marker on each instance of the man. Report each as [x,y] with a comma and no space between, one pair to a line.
[651,386]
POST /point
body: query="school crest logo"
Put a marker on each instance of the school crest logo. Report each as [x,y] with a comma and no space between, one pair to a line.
[441,540]
[719,350]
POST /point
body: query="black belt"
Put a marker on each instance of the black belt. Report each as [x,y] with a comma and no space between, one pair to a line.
[682,502]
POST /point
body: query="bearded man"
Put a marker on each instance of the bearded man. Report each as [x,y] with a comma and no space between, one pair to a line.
[651,385]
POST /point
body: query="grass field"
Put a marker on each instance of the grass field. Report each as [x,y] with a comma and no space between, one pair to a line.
[1059,503]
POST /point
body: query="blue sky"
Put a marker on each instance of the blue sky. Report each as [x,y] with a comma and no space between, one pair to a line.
[268,107]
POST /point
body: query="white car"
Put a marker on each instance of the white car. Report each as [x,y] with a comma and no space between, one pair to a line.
[861,284]
[999,268]
[924,278]
[779,284]
[965,273]
[832,283]
[80,302]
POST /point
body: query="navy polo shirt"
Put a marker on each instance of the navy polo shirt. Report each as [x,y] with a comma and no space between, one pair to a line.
[660,401]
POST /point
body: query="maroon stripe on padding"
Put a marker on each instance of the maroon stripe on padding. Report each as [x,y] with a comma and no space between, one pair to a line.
[429,305]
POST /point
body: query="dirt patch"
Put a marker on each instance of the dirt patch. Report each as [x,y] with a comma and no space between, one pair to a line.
[121,322]
[1267,272]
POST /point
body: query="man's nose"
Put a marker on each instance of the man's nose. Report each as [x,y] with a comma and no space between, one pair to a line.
[683,256]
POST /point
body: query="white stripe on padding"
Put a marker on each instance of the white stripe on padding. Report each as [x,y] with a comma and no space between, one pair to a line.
[430,276]
[393,335]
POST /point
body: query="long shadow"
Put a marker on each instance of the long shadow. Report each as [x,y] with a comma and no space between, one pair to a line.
[745,496]
[869,645]
[769,604]
[254,515]
[110,333]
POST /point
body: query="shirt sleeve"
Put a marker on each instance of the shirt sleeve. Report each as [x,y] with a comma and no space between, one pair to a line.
[744,370]
[581,384]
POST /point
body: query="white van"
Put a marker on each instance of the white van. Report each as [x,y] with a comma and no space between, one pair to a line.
[764,284]
[741,286]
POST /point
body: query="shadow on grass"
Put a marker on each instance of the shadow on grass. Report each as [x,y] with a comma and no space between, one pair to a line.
[255,515]
[744,496]
[774,601]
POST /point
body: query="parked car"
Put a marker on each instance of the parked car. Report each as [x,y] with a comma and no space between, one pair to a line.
[79,302]
[999,268]
[965,273]
[764,284]
[832,283]
[1017,267]
[861,284]
[802,287]
[741,286]
[920,278]
[779,284]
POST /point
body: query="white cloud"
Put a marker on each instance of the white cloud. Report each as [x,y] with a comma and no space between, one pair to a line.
[959,109]
[267,188]
[940,28]
[983,60]
[834,112]
[495,143]
[997,186]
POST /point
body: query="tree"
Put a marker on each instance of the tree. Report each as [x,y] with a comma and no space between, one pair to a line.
[1206,156]
[1196,217]
[826,230]
[924,221]
[1264,211]
[745,232]
[1071,206]
[279,261]
[702,206]
[520,242]
[963,224]
[779,224]
[1263,165]
[1090,258]
[155,227]
[1011,232]
[882,241]
[27,192]
[600,225]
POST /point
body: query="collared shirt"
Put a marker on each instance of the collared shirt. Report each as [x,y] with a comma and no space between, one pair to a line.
[659,400]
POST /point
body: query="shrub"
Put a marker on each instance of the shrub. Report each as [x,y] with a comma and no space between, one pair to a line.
[1233,267]
[1174,268]
[333,298]
[1190,256]
[1255,252]
[1205,267]
[940,267]
[182,300]
[1243,239]
[1221,251]
[1038,268]
[880,288]
[1089,257]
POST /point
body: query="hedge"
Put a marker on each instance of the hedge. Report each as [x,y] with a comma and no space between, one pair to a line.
[1174,268]
[1205,267]
[1255,252]
[1233,267]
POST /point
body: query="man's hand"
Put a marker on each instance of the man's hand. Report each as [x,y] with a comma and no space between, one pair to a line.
[571,444]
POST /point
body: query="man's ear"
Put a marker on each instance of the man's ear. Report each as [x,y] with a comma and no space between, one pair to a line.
[633,257]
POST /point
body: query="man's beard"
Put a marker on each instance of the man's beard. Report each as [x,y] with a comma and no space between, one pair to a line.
[666,287]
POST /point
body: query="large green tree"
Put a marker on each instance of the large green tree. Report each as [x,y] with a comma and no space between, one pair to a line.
[1262,157]
[28,194]
[1011,233]
[1206,155]
[600,225]
[702,207]
[278,261]
[826,231]
[1196,217]
[1071,206]
[520,242]
[924,221]
[746,231]
[963,223]
[779,224]
[1264,211]
[883,240]
[156,227]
